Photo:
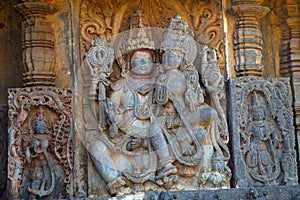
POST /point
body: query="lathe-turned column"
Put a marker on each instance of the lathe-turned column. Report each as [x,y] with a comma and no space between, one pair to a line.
[290,54]
[248,38]
[37,43]
[261,125]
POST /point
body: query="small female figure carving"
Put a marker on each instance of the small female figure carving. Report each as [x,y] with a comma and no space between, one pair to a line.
[262,141]
[42,178]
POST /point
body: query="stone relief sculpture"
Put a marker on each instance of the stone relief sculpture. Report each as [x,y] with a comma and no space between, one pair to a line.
[262,141]
[195,120]
[36,153]
[213,81]
[154,129]
[40,143]
[267,138]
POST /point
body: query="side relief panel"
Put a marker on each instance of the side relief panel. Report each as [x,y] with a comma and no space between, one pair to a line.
[40,143]
[263,140]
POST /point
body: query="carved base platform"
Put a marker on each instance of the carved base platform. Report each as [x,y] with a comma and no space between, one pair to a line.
[261,193]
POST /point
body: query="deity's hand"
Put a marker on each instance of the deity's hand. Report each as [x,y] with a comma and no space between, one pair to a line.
[172,123]
[44,145]
[134,143]
[113,131]
[169,124]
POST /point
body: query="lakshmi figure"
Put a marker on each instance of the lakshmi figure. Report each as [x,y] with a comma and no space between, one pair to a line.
[194,124]
[135,148]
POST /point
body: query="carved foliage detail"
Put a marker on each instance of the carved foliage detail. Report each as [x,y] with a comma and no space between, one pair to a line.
[40,142]
[108,18]
[266,130]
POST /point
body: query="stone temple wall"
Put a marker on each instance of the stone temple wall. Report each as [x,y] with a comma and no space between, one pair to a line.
[149,98]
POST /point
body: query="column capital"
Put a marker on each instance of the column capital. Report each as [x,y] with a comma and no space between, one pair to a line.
[290,9]
[247,2]
[35,9]
[250,10]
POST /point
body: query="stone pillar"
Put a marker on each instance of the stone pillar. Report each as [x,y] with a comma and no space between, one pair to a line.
[290,38]
[290,54]
[248,37]
[263,142]
[40,117]
[37,43]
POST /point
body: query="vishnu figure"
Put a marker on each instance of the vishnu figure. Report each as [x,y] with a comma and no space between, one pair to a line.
[133,141]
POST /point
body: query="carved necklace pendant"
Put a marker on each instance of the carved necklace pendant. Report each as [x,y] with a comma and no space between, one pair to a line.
[142,110]
[161,92]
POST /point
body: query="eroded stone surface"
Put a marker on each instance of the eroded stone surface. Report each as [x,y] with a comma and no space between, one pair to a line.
[153,130]
[263,139]
[40,153]
[68,33]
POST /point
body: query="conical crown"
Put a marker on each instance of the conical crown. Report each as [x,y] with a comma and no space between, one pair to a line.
[179,38]
[139,36]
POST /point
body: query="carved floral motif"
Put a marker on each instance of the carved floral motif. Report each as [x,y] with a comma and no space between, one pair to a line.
[108,18]
[40,153]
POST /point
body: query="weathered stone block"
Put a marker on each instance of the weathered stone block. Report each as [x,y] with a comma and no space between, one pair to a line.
[263,139]
[40,153]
